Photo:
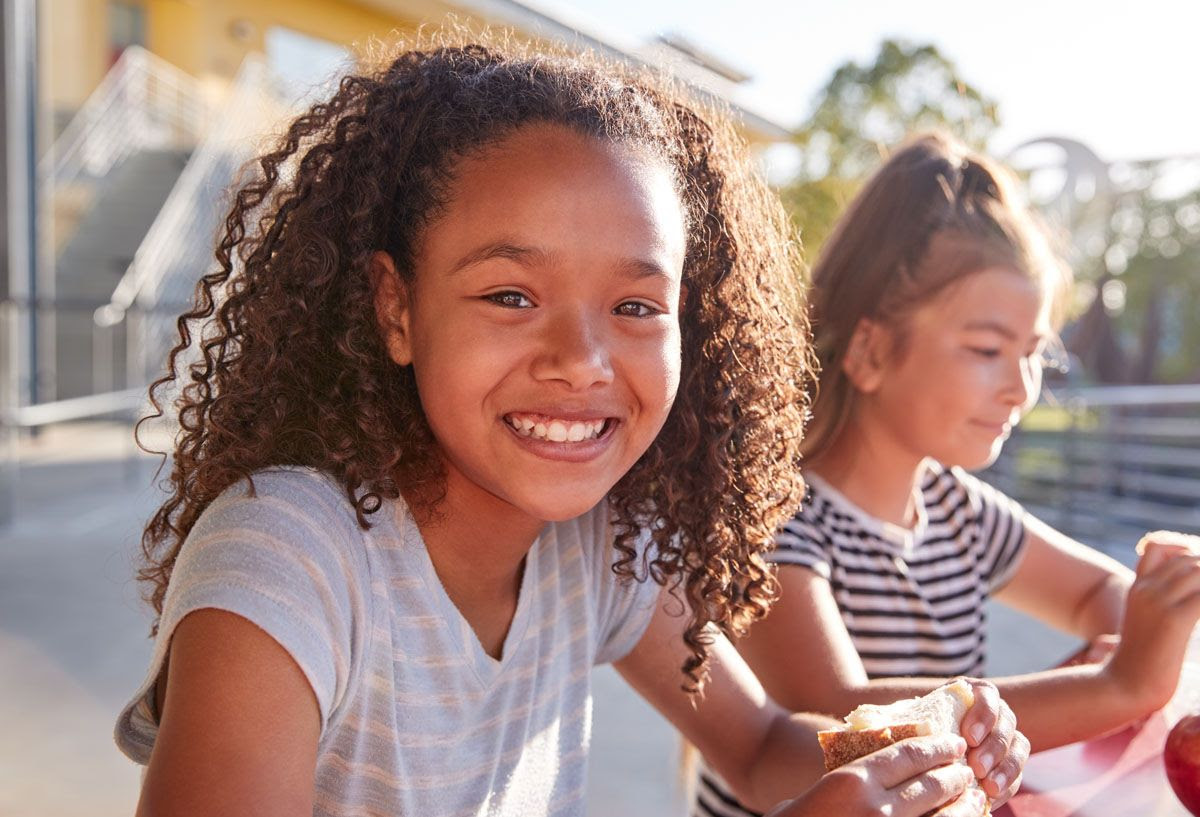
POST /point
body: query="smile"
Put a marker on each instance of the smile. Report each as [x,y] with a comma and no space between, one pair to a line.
[556,430]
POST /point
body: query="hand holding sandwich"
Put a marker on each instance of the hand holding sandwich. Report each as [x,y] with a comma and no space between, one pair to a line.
[946,754]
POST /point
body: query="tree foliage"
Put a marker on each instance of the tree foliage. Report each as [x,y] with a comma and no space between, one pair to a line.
[1141,326]
[1141,282]
[865,109]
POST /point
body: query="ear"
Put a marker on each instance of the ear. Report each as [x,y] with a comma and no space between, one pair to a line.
[392,312]
[867,355]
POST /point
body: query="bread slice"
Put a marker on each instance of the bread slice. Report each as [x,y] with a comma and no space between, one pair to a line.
[870,728]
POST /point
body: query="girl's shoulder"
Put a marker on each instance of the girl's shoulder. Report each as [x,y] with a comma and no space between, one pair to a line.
[287,515]
[291,489]
[949,488]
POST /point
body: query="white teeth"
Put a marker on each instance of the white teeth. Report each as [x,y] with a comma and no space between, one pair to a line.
[558,431]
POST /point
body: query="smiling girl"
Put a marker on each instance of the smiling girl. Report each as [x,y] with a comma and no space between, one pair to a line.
[498,380]
[933,306]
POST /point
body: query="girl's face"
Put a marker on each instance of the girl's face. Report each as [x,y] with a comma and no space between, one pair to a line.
[543,321]
[969,366]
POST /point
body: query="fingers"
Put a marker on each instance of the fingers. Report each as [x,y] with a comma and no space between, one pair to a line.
[999,751]
[899,763]
[1181,579]
[981,718]
[995,747]
[1003,779]
[1096,651]
[972,803]
[1160,545]
[1173,580]
[1101,648]
[937,788]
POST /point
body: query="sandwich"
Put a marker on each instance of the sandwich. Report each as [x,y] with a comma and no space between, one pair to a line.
[870,728]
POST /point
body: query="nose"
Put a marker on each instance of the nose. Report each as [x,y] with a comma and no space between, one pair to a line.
[1025,383]
[574,349]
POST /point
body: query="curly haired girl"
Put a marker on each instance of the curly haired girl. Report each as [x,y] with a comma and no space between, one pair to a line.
[499,347]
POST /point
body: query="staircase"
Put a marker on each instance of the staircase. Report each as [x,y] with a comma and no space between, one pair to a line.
[105,178]
[94,258]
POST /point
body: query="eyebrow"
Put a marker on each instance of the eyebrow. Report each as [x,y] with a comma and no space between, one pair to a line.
[525,256]
[993,326]
[638,269]
[635,268]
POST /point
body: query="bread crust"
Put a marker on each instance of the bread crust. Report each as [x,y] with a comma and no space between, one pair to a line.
[844,745]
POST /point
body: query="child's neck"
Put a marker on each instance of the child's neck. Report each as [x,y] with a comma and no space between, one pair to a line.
[874,473]
[477,544]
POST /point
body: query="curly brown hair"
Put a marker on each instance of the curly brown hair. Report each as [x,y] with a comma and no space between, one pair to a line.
[288,365]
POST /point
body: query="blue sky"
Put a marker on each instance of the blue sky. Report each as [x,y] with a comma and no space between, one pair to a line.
[1122,77]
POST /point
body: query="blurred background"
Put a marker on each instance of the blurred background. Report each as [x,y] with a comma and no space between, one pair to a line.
[125,122]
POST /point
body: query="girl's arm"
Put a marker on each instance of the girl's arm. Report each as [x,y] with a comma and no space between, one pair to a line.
[1067,585]
[238,725]
[1053,707]
[769,755]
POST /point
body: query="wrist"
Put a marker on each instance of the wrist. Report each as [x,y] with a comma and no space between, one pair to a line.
[1144,689]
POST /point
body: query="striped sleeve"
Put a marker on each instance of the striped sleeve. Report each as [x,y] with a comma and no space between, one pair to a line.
[1001,530]
[279,559]
[801,542]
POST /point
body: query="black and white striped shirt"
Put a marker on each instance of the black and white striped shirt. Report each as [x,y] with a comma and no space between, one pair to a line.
[912,600]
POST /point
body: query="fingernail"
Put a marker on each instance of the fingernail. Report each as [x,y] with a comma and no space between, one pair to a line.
[977,732]
[986,760]
[1001,780]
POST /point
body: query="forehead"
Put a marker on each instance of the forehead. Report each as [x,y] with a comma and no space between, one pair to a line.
[550,185]
[995,294]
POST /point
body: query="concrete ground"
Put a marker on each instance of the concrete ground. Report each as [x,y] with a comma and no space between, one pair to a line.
[73,644]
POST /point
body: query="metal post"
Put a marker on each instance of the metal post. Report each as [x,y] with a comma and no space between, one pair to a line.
[20,102]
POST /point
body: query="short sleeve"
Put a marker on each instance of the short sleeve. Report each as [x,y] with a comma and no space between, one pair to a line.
[286,560]
[1000,524]
[801,542]
[625,604]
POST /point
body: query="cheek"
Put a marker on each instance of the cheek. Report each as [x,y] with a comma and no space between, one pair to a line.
[668,367]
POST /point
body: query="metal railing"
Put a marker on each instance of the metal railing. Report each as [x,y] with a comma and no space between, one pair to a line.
[177,249]
[142,102]
[1106,464]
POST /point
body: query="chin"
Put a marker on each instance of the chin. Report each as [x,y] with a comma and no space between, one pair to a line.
[561,509]
[972,458]
[982,459]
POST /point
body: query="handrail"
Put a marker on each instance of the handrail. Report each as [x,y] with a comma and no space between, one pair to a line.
[77,408]
[1136,395]
[1127,460]
[139,86]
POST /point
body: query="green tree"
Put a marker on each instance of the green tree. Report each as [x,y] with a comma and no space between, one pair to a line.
[1147,289]
[865,109]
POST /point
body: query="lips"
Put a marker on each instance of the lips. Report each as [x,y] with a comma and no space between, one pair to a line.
[1002,427]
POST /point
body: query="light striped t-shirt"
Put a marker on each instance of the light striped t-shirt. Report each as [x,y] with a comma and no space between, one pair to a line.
[416,719]
[911,599]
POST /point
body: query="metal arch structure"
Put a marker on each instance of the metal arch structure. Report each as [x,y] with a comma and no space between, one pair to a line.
[1086,218]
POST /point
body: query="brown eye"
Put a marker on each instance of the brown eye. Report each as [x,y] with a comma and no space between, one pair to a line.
[635,309]
[509,299]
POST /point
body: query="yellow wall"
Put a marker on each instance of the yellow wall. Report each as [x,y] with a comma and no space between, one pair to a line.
[206,38]
[73,54]
[211,37]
